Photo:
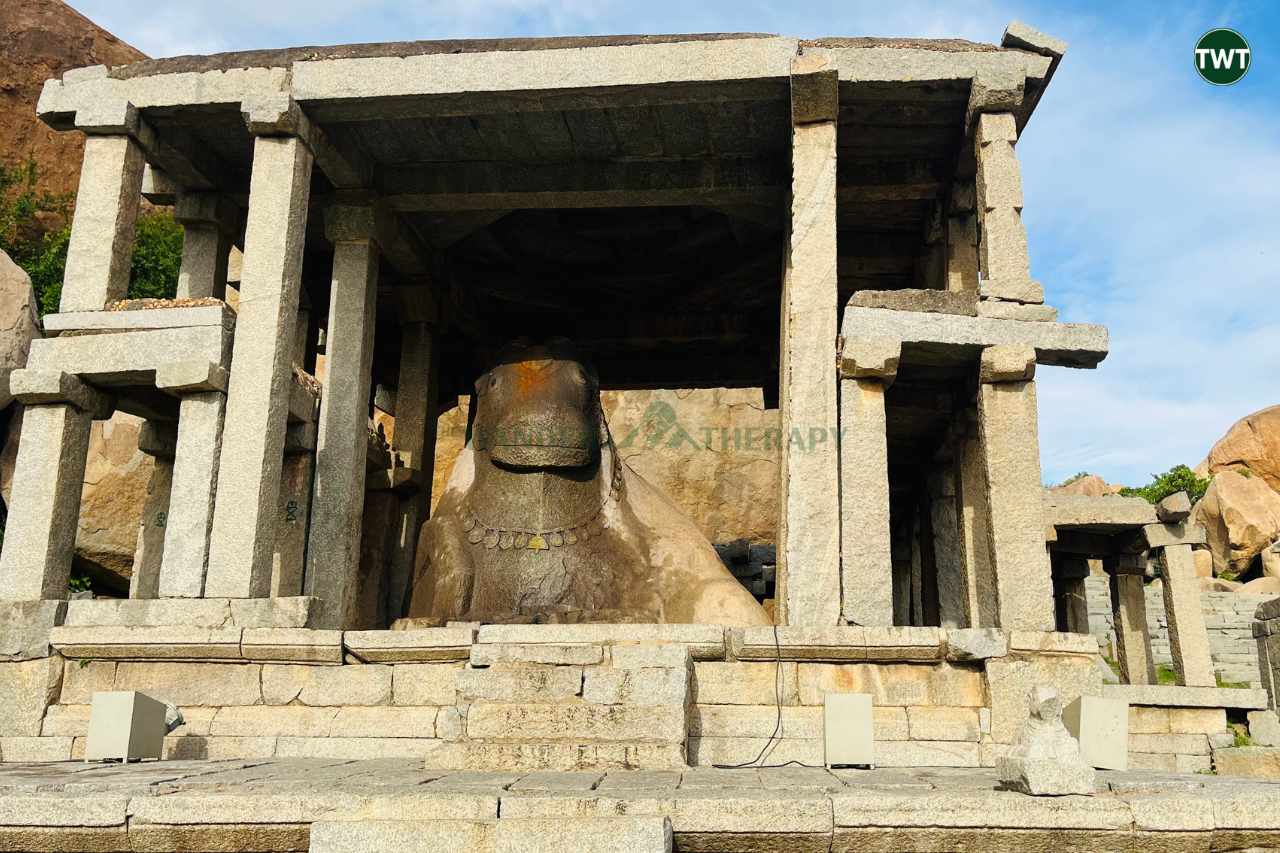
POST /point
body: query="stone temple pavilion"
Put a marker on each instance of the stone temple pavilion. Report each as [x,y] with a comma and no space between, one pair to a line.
[837,221]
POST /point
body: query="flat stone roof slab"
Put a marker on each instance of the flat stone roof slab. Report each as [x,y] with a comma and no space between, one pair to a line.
[1059,344]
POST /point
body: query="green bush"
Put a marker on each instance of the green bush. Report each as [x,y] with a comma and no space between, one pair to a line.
[25,215]
[1179,478]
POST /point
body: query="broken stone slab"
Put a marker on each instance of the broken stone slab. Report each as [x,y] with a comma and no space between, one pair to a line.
[705,642]
[293,612]
[146,643]
[1176,696]
[1044,759]
[927,301]
[1001,310]
[1104,512]
[130,358]
[292,645]
[1264,728]
[219,314]
[1174,508]
[1059,344]
[25,627]
[1024,37]
[976,644]
[421,644]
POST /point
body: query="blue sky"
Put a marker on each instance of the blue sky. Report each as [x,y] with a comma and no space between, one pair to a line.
[1151,197]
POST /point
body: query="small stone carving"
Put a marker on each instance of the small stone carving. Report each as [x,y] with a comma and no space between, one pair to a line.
[543,521]
[1045,759]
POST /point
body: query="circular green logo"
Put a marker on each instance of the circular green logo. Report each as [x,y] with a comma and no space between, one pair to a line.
[1222,57]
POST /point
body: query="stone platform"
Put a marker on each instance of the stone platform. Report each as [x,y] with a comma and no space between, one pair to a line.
[386,804]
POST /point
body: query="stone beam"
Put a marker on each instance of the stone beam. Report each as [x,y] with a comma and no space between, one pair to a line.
[641,183]
[186,164]
[1059,344]
[1102,513]
[131,358]
[339,89]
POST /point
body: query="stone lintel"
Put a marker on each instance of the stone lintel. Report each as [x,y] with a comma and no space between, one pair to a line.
[814,88]
[142,319]
[1158,535]
[924,301]
[33,387]
[1007,363]
[188,377]
[158,439]
[1126,564]
[1057,344]
[870,359]
[1101,513]
[995,90]
[130,357]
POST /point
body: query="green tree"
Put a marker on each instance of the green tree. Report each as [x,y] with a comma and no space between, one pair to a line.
[25,235]
[1179,478]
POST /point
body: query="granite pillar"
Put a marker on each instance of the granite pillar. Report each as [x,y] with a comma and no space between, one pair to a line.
[1188,640]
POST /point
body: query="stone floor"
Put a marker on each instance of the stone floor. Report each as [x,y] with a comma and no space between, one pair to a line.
[275,804]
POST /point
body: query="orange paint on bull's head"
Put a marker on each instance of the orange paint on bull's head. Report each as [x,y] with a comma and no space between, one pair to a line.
[538,407]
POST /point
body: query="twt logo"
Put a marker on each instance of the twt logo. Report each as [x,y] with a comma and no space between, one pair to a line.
[1222,57]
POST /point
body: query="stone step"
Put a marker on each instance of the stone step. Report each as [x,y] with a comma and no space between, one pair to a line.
[517,835]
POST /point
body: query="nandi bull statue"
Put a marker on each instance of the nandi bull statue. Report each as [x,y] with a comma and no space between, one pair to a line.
[542,520]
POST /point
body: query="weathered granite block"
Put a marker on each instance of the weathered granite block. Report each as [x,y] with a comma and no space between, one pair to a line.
[706,642]
[25,627]
[743,683]
[293,645]
[422,644]
[572,722]
[645,686]
[425,683]
[27,688]
[284,684]
[519,682]
[487,654]
[147,643]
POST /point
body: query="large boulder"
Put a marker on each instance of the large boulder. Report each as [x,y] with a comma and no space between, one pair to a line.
[19,324]
[1252,443]
[1241,516]
[115,491]
[1090,484]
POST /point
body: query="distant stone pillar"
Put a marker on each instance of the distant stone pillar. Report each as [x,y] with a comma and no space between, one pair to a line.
[809,527]
[157,439]
[101,247]
[342,442]
[414,445]
[866,561]
[1072,572]
[1188,640]
[208,227]
[195,478]
[1015,493]
[1129,614]
[40,533]
[257,407]
[975,525]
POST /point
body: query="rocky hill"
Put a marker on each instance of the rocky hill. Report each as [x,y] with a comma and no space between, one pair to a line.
[40,39]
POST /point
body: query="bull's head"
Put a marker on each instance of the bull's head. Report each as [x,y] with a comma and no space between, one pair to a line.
[538,407]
